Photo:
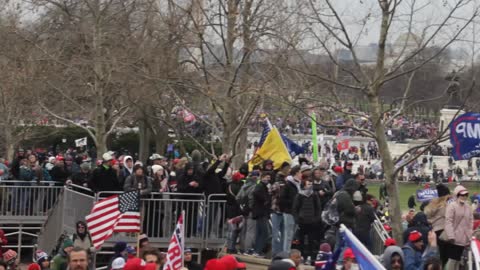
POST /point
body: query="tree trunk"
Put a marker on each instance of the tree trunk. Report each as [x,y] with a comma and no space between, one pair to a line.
[161,140]
[144,140]
[101,137]
[388,168]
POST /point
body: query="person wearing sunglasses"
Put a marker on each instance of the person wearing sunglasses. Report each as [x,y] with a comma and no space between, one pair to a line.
[458,227]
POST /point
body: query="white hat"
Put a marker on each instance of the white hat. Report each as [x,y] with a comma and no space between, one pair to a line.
[156,157]
[156,168]
[118,263]
[107,156]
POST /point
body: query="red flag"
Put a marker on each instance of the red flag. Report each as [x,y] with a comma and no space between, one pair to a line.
[176,247]
[117,213]
[343,145]
[188,116]
[475,245]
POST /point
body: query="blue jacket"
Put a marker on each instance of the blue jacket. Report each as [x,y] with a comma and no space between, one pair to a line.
[414,259]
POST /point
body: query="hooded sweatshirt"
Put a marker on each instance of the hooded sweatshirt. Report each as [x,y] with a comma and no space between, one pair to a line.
[82,240]
[345,206]
[388,254]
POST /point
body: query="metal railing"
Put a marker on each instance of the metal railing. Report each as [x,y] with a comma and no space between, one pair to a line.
[159,213]
[26,201]
[378,236]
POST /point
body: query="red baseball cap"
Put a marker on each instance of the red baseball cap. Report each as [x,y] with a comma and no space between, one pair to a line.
[139,264]
[348,254]
[231,262]
[390,242]
[414,236]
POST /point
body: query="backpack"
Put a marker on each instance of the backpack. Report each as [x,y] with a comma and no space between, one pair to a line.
[245,197]
[330,213]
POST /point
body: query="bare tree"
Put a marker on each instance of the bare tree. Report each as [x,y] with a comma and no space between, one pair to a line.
[332,31]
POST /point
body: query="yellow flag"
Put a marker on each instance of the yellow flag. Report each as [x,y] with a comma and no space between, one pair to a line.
[274,149]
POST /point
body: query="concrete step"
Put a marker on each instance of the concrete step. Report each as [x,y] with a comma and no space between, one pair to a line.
[254,263]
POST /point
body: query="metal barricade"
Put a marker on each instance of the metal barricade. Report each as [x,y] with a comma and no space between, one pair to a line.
[24,201]
[71,207]
[215,230]
[378,236]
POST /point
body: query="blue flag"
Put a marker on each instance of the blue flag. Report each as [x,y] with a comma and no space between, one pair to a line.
[465,136]
[364,258]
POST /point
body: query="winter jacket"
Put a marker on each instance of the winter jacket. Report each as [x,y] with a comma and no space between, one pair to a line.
[389,253]
[307,207]
[261,201]
[214,182]
[345,206]
[288,194]
[232,206]
[420,224]
[325,186]
[144,184]
[364,219]
[414,259]
[193,266]
[245,196]
[81,178]
[436,217]
[459,223]
[104,178]
[277,188]
[59,262]
[59,174]
[184,180]
[342,179]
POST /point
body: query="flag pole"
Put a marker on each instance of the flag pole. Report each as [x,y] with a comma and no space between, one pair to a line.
[314,137]
[183,238]
[141,221]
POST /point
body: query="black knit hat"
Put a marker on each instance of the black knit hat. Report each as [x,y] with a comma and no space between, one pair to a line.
[442,190]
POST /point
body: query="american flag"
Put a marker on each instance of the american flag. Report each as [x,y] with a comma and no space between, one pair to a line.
[117,213]
[176,247]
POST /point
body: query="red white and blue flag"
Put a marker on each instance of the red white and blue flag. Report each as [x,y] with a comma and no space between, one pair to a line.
[176,247]
[117,213]
[364,258]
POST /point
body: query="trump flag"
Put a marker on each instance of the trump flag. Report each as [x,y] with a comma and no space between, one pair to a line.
[176,247]
[465,136]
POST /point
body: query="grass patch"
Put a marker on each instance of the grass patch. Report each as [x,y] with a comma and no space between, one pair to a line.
[407,189]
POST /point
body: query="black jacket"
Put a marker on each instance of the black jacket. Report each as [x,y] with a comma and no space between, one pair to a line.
[193,266]
[215,183]
[81,178]
[287,197]
[104,179]
[232,206]
[345,206]
[184,180]
[261,201]
[327,187]
[59,174]
[307,209]
[364,219]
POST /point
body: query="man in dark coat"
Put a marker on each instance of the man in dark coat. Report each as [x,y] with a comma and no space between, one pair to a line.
[307,210]
[261,213]
[104,177]
[345,206]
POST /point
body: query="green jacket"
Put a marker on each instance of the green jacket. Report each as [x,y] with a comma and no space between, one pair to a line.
[60,261]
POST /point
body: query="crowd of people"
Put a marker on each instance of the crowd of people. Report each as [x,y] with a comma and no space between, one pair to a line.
[399,129]
[291,213]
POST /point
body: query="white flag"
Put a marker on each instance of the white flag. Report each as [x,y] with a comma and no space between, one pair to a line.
[176,247]
[81,142]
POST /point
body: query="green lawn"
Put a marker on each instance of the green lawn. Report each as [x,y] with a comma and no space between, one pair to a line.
[407,189]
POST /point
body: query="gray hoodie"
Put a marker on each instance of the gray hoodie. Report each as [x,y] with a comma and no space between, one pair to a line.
[387,256]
